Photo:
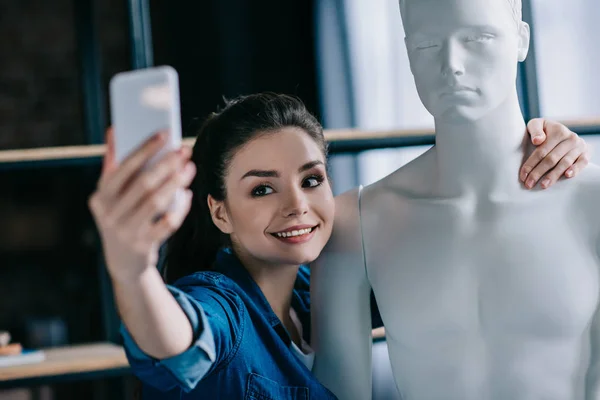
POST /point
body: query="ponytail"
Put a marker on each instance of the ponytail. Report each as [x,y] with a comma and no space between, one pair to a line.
[195,244]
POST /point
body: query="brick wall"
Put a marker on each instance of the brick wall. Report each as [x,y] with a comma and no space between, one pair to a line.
[40,69]
[48,252]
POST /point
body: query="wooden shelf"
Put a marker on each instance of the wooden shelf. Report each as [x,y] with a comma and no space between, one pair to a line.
[96,151]
[52,153]
[340,140]
[378,334]
[71,360]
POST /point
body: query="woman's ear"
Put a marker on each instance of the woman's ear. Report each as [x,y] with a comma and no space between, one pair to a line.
[219,215]
[524,40]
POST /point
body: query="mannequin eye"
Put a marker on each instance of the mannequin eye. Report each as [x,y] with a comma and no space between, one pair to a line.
[426,45]
[479,38]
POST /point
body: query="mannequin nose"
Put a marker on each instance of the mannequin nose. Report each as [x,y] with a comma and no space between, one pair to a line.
[452,62]
[296,204]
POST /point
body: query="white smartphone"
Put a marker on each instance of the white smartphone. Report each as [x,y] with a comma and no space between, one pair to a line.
[142,103]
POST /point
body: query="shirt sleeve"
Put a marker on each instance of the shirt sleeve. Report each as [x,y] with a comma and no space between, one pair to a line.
[216,315]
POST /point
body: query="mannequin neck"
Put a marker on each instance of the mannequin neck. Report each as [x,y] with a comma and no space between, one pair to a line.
[481,156]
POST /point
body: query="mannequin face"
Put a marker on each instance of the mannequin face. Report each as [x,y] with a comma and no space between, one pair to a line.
[464,54]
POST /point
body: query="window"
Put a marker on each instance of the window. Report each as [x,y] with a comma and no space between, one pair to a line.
[567,57]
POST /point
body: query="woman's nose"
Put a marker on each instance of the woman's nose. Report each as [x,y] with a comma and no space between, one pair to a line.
[295,204]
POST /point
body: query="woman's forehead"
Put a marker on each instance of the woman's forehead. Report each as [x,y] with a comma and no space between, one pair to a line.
[284,149]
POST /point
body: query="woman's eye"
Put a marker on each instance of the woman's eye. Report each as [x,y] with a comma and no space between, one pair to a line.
[312,181]
[261,190]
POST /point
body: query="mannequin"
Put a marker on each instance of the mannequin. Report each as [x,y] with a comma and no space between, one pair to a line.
[487,290]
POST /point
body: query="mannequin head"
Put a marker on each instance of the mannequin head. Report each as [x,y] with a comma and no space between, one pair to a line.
[463,53]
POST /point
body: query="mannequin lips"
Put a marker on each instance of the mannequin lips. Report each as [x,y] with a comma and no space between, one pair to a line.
[459,89]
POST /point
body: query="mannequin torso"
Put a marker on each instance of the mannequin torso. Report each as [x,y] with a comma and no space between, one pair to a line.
[469,299]
[487,290]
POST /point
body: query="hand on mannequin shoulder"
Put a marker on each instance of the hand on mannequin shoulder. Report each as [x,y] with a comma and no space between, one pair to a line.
[559,152]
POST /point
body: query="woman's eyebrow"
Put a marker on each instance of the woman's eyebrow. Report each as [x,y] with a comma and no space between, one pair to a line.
[261,173]
[309,165]
[271,173]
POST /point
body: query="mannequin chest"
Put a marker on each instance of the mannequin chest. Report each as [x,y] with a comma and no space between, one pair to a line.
[459,270]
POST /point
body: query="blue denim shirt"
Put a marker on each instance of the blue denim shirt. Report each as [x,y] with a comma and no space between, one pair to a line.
[241,350]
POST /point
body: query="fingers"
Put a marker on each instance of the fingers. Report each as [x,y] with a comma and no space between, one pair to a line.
[579,165]
[549,162]
[563,165]
[162,198]
[145,184]
[109,163]
[556,133]
[172,220]
[535,128]
[96,207]
[108,167]
[560,140]
[114,183]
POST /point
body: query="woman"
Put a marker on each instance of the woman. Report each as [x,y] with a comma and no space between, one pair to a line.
[233,323]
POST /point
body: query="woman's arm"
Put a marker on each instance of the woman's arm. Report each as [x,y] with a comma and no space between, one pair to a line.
[125,206]
[173,336]
[152,315]
[215,313]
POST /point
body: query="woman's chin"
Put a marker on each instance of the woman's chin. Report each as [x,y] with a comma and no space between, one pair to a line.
[299,259]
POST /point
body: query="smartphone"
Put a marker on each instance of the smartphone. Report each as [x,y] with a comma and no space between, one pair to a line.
[144,102]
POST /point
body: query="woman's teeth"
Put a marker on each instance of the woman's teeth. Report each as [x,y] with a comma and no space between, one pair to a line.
[294,233]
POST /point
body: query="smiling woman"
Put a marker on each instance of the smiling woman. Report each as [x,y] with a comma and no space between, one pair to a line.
[232,322]
[261,170]
[297,233]
[284,191]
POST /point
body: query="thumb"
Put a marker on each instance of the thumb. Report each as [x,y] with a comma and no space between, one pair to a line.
[535,128]
[109,164]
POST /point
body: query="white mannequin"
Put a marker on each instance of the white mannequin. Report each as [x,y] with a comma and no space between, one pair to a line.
[487,290]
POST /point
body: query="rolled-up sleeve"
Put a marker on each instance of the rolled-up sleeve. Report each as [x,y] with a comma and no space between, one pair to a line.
[216,315]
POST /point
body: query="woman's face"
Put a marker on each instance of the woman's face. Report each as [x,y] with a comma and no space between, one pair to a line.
[279,205]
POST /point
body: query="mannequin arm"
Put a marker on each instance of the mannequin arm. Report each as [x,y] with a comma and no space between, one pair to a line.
[340,306]
[592,386]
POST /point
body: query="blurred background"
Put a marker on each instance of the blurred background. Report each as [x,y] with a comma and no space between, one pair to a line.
[345,58]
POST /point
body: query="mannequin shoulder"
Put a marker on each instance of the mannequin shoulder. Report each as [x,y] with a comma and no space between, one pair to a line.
[591,173]
[411,181]
[342,257]
[587,196]
[588,181]
[346,227]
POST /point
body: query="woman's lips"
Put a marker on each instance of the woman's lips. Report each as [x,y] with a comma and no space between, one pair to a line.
[296,236]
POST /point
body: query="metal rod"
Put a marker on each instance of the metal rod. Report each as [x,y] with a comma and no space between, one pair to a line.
[528,70]
[91,74]
[342,17]
[142,54]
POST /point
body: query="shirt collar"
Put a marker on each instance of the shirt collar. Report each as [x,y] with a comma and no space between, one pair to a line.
[229,265]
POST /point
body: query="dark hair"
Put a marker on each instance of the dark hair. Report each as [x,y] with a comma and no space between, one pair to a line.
[194,246]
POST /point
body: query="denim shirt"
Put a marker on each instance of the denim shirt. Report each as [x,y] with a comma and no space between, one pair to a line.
[241,350]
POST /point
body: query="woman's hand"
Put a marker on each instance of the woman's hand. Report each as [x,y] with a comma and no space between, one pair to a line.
[133,207]
[559,152]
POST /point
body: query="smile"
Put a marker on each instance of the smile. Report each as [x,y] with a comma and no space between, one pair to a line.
[295,235]
[298,232]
